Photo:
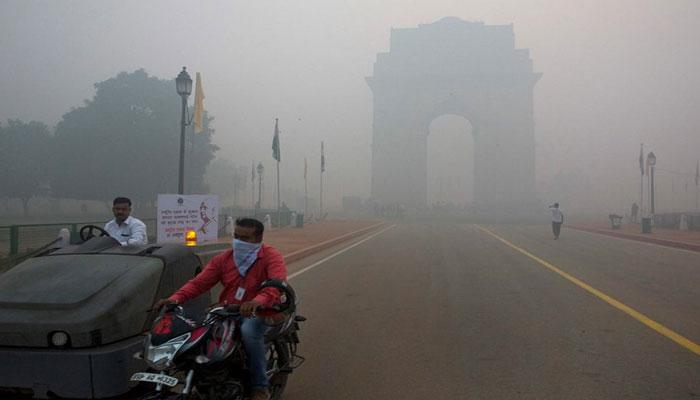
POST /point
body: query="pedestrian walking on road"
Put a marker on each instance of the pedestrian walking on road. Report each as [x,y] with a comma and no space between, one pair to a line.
[635,211]
[557,219]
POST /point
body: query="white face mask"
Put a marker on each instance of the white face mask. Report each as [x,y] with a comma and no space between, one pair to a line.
[244,255]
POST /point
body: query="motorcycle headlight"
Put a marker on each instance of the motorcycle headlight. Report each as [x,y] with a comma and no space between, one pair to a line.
[59,338]
[160,357]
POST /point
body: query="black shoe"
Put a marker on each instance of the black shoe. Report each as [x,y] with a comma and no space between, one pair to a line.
[260,394]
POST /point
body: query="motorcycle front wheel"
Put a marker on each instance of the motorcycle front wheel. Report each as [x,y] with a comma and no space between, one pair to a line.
[278,357]
[163,396]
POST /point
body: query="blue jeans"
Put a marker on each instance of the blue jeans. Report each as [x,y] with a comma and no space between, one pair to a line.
[253,333]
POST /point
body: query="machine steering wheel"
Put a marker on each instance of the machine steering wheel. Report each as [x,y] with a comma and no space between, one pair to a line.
[87,232]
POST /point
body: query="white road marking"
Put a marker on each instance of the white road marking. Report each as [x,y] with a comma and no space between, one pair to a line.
[337,253]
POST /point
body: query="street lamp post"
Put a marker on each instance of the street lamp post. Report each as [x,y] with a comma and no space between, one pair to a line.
[261,169]
[183,85]
[651,159]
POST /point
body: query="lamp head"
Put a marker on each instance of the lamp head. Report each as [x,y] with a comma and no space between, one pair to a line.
[651,158]
[183,83]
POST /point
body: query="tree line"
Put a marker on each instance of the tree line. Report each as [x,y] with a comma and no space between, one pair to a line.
[123,141]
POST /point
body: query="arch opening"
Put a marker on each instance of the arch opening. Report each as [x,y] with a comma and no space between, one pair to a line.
[450,163]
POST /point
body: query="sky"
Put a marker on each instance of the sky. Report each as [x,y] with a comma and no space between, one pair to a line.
[615,74]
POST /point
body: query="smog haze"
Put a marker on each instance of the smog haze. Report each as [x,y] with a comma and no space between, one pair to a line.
[614,75]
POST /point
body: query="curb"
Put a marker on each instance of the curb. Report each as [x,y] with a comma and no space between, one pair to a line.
[303,253]
[639,238]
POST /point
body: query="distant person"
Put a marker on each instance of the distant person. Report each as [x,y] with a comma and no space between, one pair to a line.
[557,219]
[634,212]
[125,228]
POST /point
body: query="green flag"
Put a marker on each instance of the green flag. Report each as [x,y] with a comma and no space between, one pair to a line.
[276,143]
[323,159]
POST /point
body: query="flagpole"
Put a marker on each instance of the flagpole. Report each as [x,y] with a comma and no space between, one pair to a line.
[641,181]
[697,180]
[277,155]
[673,194]
[323,161]
[306,192]
[235,187]
[252,187]
[641,194]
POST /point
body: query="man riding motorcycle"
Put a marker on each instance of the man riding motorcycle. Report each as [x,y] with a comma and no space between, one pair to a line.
[241,270]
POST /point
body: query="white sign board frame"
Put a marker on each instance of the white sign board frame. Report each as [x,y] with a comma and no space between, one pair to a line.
[177,214]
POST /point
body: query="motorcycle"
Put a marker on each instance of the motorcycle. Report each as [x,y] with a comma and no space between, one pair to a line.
[205,360]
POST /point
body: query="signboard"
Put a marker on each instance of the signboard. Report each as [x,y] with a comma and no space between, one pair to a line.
[178,214]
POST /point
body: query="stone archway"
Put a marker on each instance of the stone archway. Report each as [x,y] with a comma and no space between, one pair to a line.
[467,69]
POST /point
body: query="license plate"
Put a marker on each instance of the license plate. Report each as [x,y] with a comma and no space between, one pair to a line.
[154,378]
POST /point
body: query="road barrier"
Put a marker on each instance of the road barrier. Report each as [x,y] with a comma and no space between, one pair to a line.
[22,238]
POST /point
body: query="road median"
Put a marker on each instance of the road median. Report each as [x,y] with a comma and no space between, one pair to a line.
[296,244]
[313,249]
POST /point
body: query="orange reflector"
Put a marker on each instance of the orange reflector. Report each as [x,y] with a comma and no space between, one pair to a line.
[191,238]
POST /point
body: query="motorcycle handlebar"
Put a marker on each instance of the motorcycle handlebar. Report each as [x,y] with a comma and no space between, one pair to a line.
[236,309]
[232,310]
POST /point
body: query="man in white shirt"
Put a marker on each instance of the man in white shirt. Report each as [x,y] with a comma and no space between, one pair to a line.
[557,219]
[125,228]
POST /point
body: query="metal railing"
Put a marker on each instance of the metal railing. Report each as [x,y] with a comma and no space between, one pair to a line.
[22,238]
[673,220]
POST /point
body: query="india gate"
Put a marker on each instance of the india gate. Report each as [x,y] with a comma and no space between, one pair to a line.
[461,68]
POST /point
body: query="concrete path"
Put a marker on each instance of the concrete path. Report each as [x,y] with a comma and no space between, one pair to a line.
[689,240]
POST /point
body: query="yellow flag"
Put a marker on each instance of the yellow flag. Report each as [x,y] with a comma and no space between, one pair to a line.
[198,105]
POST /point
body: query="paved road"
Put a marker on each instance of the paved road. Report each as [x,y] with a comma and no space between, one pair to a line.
[454,312]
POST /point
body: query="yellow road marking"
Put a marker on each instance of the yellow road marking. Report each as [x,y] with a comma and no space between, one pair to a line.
[681,340]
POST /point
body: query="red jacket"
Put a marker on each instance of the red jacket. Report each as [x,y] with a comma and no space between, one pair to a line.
[221,269]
